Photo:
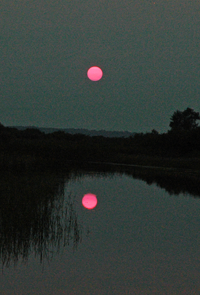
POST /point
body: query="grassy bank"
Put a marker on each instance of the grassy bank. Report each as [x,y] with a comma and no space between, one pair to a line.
[155,161]
[32,149]
[18,162]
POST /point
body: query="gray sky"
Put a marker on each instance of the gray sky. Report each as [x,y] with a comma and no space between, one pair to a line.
[149,54]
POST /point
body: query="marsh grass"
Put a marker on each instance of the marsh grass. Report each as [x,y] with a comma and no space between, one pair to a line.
[22,162]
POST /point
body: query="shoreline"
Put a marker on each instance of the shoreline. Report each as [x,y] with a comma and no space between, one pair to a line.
[155,168]
[190,165]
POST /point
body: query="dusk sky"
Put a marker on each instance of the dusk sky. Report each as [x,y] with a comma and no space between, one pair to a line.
[149,52]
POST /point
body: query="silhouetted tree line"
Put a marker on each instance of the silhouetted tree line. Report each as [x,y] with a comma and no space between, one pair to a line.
[182,140]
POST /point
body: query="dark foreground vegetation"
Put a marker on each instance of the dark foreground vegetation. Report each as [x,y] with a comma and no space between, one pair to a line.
[179,147]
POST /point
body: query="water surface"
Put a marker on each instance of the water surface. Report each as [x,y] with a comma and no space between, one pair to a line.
[138,240]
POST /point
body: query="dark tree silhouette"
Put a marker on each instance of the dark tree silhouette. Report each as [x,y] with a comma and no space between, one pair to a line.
[155,132]
[184,121]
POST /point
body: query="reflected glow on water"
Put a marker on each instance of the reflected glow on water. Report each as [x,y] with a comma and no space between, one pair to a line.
[89,201]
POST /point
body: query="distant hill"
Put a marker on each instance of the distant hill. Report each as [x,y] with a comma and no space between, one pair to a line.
[80,131]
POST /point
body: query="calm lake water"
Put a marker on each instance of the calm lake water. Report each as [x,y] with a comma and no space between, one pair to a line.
[139,239]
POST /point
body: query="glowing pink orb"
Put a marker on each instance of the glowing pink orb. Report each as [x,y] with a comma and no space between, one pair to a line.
[89,201]
[94,73]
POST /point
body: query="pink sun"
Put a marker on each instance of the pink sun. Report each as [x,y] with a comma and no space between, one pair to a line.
[95,73]
[89,201]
